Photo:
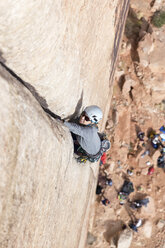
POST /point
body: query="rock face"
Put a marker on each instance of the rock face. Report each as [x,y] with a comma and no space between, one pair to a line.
[161,224]
[147,229]
[39,193]
[60,50]
[152,54]
[150,209]
[125,239]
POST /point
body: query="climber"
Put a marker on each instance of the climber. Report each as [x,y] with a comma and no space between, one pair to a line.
[85,133]
[105,201]
[161,160]
[109,182]
[162,133]
[104,181]
[141,135]
[155,142]
[134,225]
[136,204]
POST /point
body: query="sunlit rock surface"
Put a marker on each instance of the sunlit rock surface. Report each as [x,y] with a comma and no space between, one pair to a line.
[64,51]
[45,194]
[62,48]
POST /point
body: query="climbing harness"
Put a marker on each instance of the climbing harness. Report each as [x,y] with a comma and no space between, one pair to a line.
[105,146]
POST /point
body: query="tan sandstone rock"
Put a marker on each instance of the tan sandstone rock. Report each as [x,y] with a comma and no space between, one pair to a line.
[66,52]
[40,182]
[143,6]
[147,229]
[161,224]
[150,209]
[125,239]
[158,4]
[151,52]
[145,47]
[61,48]
[155,157]
[157,58]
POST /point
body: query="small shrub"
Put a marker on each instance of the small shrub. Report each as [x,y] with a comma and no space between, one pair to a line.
[133,25]
[158,19]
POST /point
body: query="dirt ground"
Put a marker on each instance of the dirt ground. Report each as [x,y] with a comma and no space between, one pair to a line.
[133,109]
[125,154]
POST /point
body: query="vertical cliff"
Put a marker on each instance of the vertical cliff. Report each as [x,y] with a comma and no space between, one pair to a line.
[61,48]
[65,53]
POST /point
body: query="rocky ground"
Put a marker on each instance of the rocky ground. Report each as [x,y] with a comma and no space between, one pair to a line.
[138,104]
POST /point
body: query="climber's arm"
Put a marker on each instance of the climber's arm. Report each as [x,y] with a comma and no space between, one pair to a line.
[76,129]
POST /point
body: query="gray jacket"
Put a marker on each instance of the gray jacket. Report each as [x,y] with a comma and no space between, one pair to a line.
[87,137]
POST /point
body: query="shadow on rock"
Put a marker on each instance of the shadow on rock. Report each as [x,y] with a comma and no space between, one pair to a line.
[31,88]
[139,196]
[138,129]
[41,100]
[77,109]
[2,59]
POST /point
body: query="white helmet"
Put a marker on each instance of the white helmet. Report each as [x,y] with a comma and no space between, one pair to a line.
[94,113]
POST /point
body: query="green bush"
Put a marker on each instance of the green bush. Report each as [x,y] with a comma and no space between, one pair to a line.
[133,25]
[158,19]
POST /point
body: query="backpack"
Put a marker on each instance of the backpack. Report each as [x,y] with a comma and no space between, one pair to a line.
[99,190]
[127,187]
[161,162]
[105,146]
